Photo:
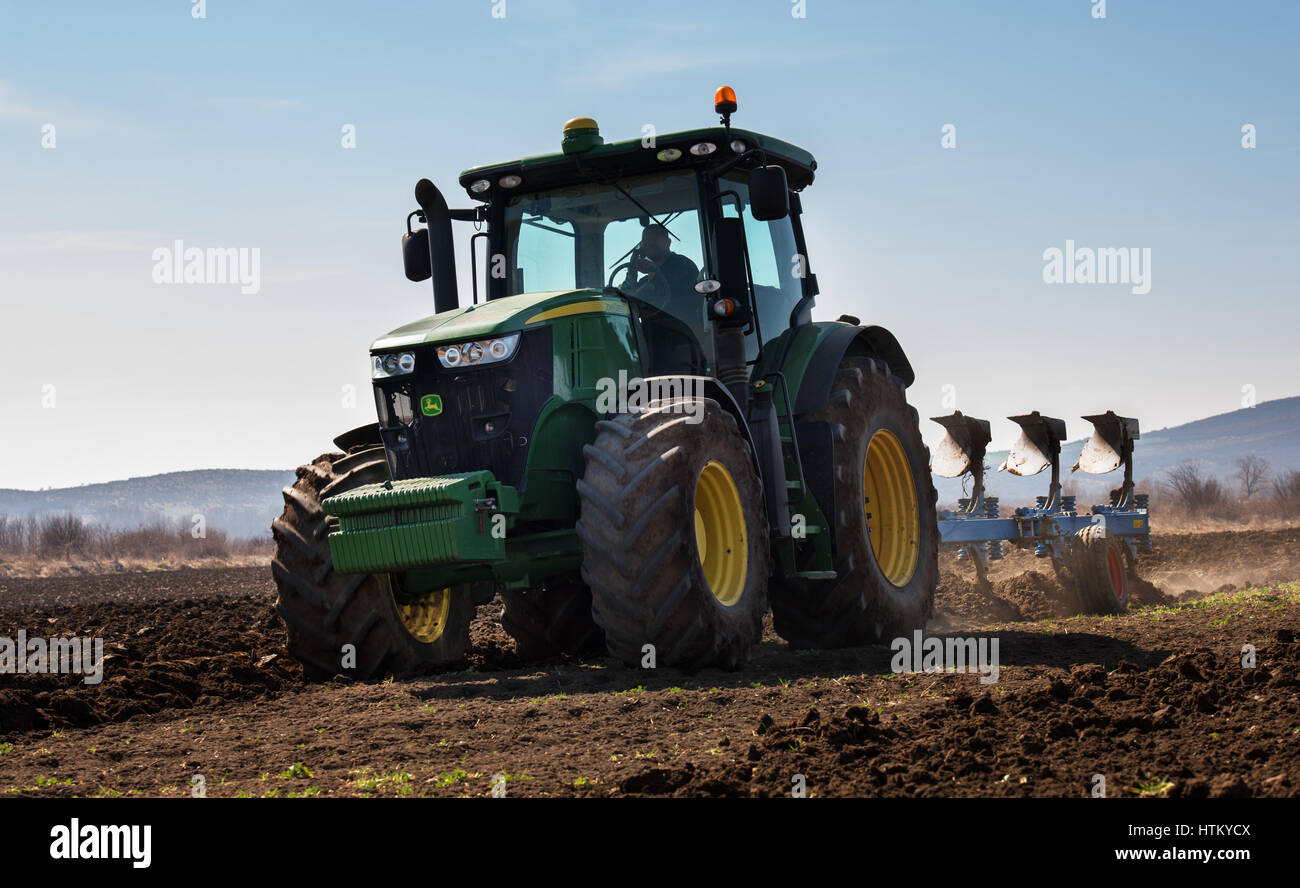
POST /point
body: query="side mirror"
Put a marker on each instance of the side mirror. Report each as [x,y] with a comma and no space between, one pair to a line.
[415,255]
[769,193]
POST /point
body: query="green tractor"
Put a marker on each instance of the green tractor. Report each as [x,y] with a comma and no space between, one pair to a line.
[635,434]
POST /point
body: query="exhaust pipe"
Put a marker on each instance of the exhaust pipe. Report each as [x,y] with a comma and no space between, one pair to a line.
[442,250]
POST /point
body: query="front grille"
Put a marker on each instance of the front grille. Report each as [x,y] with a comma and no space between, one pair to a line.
[487,418]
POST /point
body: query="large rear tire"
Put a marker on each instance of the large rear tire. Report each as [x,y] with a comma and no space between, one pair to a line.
[674,536]
[886,532]
[392,630]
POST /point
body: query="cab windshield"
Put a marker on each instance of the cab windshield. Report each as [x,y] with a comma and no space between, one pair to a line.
[641,235]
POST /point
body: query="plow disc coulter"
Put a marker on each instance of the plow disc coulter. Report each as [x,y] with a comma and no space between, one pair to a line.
[1093,552]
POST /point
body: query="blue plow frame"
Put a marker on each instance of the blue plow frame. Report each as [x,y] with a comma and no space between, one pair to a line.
[978,530]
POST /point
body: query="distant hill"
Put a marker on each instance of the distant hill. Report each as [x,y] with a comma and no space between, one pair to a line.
[241,502]
[1270,430]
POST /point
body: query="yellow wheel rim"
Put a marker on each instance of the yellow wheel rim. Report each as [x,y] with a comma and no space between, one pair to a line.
[720,533]
[889,498]
[424,616]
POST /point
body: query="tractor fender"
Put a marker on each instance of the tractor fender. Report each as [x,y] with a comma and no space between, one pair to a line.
[366,434]
[713,388]
[846,340]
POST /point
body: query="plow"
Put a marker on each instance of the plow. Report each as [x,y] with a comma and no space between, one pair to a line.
[1094,552]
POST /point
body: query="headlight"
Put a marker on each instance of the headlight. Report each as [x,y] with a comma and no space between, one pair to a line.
[385,366]
[479,352]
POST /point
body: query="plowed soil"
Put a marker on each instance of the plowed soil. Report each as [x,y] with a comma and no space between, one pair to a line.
[1157,701]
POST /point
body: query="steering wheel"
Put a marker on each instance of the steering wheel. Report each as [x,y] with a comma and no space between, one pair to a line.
[615,272]
[634,257]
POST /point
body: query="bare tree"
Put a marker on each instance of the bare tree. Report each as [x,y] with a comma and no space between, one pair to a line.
[1252,472]
[64,533]
[1286,492]
[1193,491]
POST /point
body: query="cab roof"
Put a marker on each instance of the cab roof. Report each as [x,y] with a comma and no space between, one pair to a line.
[630,157]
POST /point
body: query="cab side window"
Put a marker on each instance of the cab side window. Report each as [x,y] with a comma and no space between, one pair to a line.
[774,264]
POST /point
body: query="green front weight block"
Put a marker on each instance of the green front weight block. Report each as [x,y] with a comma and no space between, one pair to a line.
[420,522]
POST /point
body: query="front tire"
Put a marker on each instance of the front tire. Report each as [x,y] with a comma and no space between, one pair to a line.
[886,532]
[674,536]
[391,629]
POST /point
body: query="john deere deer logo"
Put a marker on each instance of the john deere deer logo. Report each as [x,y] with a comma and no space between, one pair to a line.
[431,405]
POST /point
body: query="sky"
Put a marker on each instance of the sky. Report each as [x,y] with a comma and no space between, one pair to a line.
[127,127]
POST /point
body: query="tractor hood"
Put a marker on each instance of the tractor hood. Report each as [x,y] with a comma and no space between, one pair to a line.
[500,316]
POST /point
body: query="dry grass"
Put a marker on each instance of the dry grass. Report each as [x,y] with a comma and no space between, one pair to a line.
[61,545]
[1179,521]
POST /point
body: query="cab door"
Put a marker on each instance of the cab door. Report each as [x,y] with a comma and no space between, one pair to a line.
[775,264]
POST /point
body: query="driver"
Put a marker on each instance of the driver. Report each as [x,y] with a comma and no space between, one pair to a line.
[669,276]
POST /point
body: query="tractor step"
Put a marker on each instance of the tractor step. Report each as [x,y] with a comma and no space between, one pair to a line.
[816,574]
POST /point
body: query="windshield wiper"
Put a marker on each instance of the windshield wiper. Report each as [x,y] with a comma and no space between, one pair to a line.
[536,223]
[665,224]
[640,206]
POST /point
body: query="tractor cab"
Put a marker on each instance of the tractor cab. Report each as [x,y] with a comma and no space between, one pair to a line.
[699,231]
